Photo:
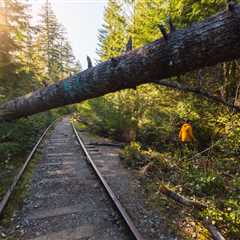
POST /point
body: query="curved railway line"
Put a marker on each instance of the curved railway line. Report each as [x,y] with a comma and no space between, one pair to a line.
[68,197]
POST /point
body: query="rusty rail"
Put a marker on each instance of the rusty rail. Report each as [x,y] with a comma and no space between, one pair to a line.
[16,179]
[109,191]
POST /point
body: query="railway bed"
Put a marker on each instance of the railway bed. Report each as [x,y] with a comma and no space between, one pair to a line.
[66,199]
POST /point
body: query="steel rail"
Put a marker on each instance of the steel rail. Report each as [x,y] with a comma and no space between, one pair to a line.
[16,179]
[111,194]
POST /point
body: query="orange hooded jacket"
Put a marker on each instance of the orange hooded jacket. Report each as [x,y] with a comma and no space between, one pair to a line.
[186,133]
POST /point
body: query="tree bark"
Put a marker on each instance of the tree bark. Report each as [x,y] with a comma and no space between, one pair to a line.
[216,235]
[194,204]
[217,39]
[181,199]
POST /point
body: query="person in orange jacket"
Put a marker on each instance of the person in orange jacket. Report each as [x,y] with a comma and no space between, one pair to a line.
[186,138]
[186,133]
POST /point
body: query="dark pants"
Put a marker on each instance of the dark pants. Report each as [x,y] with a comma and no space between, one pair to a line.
[186,148]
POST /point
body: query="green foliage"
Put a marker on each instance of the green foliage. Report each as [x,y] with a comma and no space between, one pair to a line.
[229,127]
[18,137]
[52,52]
[204,184]
[14,28]
[209,186]
[20,194]
[15,77]
[16,141]
[114,118]
[133,155]
[228,217]
[113,35]
[22,70]
[153,115]
[189,11]
[186,110]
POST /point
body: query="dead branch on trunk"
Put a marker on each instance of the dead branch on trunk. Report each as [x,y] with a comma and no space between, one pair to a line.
[196,90]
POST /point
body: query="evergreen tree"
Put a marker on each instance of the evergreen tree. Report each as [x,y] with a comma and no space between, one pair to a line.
[113,38]
[113,35]
[15,26]
[54,53]
[17,77]
[47,43]
[140,19]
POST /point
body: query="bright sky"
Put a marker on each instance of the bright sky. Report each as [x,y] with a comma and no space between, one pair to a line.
[82,19]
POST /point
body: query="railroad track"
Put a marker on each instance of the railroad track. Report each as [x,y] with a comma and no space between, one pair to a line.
[4,201]
[69,198]
[116,202]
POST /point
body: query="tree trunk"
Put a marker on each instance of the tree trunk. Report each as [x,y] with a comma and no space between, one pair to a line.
[217,39]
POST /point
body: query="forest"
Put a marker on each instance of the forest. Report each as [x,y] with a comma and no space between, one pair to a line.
[146,119]
[31,56]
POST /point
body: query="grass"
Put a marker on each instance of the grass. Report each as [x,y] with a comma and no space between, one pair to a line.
[21,192]
[8,170]
[16,200]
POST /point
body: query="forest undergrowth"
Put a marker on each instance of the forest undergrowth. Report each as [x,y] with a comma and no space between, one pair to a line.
[206,171]
[148,119]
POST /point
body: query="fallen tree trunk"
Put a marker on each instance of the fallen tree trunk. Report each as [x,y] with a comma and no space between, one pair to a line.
[216,235]
[217,39]
[180,199]
[194,204]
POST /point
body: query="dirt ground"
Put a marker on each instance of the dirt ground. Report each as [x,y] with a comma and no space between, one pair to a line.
[126,185]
